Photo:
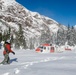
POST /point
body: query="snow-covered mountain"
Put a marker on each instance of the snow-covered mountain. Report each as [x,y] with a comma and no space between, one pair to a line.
[34,25]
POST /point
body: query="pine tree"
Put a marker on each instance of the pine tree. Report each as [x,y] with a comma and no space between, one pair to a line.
[68,34]
[73,36]
[20,41]
[0,37]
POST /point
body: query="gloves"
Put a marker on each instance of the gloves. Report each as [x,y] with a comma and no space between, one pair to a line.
[13,53]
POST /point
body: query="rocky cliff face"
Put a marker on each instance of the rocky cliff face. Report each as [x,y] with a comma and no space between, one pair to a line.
[36,29]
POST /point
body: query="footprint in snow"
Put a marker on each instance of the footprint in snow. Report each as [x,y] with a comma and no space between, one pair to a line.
[25,67]
[62,57]
[16,71]
[55,58]
[5,74]
[31,63]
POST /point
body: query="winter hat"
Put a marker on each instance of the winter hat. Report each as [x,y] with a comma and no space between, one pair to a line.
[7,41]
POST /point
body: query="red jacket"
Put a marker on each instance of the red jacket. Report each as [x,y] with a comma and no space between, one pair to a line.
[8,46]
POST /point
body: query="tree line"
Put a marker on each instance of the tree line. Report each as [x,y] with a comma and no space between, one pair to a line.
[62,37]
[66,36]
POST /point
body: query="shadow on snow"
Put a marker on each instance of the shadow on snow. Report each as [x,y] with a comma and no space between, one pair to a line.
[13,60]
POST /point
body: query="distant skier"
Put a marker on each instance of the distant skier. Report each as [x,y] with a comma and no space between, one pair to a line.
[7,50]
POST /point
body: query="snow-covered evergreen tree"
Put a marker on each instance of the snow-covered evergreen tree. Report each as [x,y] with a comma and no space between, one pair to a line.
[20,39]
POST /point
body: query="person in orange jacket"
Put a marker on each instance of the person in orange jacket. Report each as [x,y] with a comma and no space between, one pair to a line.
[7,50]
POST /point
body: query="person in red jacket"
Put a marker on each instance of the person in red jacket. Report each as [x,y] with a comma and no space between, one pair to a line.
[7,50]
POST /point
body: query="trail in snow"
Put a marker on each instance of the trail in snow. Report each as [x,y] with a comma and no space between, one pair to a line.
[28,64]
[25,65]
[26,60]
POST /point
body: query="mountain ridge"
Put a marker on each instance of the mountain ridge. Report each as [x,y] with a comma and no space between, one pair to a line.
[33,24]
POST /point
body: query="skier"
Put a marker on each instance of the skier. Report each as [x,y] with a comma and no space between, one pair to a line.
[7,50]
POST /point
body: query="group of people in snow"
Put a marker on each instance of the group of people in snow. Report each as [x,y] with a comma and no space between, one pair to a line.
[7,50]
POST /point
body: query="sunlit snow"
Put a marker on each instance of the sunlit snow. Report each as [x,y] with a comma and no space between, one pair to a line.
[29,62]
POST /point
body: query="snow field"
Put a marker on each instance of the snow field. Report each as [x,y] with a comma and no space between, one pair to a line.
[31,63]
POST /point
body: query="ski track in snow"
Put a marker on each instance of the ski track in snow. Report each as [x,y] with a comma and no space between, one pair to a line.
[28,64]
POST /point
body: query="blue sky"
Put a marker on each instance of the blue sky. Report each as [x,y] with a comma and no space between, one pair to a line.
[63,11]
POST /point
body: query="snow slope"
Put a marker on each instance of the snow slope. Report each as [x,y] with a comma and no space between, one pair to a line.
[28,62]
[14,15]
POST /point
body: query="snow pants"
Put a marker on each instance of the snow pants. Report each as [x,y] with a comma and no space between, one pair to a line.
[6,59]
